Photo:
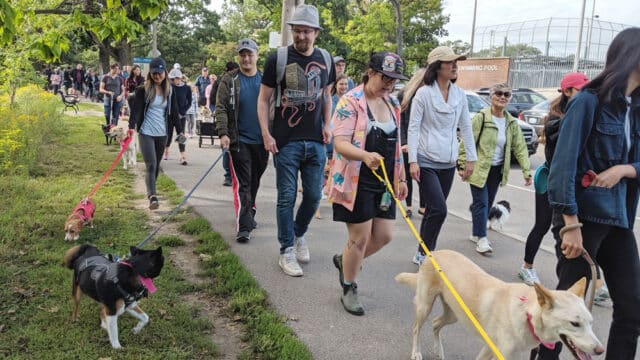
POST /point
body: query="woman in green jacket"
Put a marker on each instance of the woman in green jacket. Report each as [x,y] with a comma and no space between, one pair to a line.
[497,135]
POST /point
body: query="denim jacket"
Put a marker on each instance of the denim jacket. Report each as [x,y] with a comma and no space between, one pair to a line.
[592,137]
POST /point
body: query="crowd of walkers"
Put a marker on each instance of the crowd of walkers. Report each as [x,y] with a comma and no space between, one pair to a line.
[336,137]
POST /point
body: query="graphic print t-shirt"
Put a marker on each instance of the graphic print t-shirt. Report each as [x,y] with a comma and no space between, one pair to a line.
[300,115]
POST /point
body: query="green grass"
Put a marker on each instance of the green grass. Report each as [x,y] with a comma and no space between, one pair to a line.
[35,296]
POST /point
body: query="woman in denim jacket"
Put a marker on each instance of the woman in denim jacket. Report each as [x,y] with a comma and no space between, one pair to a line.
[593,188]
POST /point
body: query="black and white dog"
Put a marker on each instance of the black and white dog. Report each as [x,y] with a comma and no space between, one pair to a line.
[118,286]
[499,214]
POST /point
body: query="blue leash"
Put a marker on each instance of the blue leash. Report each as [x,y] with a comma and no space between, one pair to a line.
[186,197]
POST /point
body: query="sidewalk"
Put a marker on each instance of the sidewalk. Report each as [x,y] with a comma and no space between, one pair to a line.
[311,304]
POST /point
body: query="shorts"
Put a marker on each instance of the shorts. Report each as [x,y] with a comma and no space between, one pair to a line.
[366,207]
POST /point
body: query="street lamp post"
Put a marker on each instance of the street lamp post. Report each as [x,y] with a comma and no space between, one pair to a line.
[576,59]
[473,26]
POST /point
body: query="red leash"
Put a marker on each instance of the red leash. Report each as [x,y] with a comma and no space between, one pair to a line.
[123,147]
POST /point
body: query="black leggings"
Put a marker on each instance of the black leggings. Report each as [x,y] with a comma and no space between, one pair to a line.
[543,223]
[179,128]
[151,148]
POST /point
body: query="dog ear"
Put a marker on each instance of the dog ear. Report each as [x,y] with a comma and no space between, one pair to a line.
[579,287]
[544,296]
[159,250]
[133,250]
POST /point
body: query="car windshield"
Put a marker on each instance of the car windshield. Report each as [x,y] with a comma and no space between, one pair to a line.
[543,106]
[476,103]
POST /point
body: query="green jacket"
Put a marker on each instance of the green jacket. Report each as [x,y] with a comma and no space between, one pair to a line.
[486,147]
[226,113]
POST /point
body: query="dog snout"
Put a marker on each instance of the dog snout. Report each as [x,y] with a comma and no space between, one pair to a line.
[599,350]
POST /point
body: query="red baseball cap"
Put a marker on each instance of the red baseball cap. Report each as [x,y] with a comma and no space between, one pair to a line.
[573,80]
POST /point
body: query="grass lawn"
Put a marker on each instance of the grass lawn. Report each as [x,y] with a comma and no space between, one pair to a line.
[35,296]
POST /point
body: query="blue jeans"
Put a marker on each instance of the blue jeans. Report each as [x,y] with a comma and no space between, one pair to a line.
[483,199]
[225,166]
[112,113]
[308,158]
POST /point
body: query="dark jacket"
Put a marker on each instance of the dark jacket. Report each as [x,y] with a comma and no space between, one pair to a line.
[551,131]
[226,112]
[140,105]
[132,83]
[592,137]
[183,95]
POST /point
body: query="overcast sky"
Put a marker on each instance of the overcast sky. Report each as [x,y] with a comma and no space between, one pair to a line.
[493,12]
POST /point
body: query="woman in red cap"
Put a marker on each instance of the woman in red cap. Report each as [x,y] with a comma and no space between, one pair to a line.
[569,86]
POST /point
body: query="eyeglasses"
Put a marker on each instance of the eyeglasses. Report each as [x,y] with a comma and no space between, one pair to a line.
[387,79]
[305,32]
[499,93]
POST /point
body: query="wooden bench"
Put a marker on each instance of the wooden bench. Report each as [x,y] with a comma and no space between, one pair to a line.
[69,101]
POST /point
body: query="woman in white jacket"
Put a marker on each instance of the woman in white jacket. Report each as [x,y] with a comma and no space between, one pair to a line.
[438,110]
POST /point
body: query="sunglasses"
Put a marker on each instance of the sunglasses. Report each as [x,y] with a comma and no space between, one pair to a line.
[387,79]
[305,32]
[499,93]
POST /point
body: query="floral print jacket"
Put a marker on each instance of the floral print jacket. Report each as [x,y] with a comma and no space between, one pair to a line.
[350,119]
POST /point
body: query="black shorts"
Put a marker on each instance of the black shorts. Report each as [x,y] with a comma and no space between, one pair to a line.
[366,207]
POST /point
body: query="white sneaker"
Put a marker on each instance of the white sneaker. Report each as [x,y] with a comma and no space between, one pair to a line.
[602,296]
[528,276]
[418,258]
[473,239]
[483,246]
[302,250]
[289,264]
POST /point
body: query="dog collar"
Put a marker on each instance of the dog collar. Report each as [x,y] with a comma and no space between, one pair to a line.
[548,345]
[146,282]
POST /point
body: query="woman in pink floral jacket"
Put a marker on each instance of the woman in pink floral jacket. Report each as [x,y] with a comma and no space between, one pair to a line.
[366,129]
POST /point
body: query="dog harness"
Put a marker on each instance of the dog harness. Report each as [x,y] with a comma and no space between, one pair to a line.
[107,269]
[84,210]
[548,345]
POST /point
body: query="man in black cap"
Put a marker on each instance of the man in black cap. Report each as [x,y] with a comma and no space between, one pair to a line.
[300,130]
[239,130]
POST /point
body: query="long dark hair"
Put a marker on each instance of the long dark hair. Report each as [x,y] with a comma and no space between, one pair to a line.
[623,58]
[431,75]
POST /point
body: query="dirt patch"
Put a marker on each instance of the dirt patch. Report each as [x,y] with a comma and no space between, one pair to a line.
[227,334]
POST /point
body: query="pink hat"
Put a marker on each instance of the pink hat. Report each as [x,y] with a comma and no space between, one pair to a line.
[573,80]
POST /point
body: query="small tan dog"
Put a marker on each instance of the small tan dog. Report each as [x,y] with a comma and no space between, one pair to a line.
[82,214]
[129,155]
[517,317]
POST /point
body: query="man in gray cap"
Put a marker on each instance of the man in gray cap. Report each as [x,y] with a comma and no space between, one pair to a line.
[341,64]
[239,131]
[300,130]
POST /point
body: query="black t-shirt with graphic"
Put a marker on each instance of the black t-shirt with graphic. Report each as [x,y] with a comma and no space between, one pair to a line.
[300,115]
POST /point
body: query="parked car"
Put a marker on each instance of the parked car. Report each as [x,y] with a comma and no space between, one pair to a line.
[477,103]
[521,99]
[535,115]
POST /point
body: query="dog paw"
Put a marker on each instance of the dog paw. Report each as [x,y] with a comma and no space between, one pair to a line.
[416,356]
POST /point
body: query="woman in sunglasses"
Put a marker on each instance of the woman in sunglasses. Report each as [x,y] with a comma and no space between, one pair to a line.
[438,109]
[366,129]
[497,135]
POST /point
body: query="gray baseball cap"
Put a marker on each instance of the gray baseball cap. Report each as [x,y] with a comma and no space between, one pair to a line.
[247,44]
[337,59]
[305,15]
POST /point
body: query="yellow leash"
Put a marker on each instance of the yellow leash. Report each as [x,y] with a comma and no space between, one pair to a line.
[446,281]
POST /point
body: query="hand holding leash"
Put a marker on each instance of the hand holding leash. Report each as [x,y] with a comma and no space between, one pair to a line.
[571,241]
[224,142]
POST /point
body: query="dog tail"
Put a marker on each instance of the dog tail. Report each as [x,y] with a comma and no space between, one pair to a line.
[409,279]
[74,253]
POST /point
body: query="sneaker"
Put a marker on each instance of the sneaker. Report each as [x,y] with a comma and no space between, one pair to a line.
[153,202]
[483,246]
[473,239]
[226,182]
[528,276]
[302,250]
[337,262]
[418,258]
[288,262]
[409,213]
[243,237]
[602,296]
[350,301]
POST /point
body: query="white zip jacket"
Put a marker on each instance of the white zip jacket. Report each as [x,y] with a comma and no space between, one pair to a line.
[433,124]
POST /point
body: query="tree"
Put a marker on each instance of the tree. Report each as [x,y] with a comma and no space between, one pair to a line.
[509,50]
[458,46]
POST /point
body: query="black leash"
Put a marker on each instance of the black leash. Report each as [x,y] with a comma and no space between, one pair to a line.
[186,197]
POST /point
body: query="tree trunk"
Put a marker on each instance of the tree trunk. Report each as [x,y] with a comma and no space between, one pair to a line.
[396,5]
[123,52]
[103,55]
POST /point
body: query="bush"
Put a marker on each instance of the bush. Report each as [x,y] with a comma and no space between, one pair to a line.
[26,128]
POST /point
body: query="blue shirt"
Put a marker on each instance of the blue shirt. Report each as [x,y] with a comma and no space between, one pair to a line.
[154,119]
[248,125]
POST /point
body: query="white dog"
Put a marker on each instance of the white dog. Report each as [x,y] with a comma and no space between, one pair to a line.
[516,317]
[129,156]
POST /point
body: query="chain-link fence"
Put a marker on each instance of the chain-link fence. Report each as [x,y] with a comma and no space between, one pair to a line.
[542,51]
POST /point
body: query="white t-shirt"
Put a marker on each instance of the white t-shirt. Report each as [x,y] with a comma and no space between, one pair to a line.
[498,155]
[627,124]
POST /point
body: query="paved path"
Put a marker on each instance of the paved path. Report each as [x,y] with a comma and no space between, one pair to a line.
[311,303]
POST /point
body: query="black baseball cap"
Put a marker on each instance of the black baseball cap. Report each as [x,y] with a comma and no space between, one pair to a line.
[389,64]
[157,65]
